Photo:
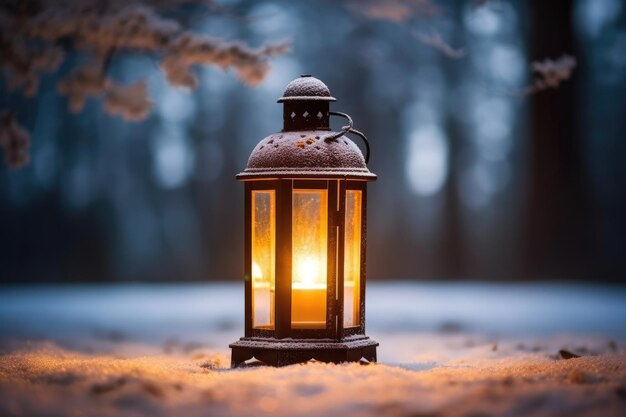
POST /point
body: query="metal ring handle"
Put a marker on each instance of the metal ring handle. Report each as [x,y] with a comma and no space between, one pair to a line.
[348,129]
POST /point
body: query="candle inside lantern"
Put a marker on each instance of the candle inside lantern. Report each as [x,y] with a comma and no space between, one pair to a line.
[305,204]
[309,294]
[309,245]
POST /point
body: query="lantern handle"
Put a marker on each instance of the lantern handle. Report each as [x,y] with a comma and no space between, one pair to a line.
[348,129]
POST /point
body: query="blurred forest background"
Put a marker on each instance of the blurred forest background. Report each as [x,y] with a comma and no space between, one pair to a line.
[483,173]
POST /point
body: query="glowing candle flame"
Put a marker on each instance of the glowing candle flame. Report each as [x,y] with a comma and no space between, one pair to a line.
[307,270]
[257,274]
[308,274]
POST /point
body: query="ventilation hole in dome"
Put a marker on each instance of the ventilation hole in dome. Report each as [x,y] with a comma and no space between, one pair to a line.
[306,114]
[319,115]
[270,141]
[261,147]
[302,136]
[317,137]
[317,147]
[276,146]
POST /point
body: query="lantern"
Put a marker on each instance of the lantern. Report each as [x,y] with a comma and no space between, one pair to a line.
[305,210]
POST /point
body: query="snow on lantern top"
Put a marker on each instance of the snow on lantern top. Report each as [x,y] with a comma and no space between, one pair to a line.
[306,148]
[306,87]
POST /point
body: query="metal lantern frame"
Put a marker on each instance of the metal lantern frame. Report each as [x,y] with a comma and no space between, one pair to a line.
[277,166]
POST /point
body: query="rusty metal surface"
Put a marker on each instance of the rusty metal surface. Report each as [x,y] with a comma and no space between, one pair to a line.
[306,154]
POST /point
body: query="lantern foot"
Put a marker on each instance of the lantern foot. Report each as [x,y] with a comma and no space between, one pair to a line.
[283,352]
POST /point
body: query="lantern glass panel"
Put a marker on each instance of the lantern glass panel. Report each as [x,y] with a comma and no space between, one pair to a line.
[309,262]
[263,262]
[352,259]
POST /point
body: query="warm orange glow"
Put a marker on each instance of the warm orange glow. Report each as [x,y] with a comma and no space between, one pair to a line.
[308,274]
[309,258]
[352,259]
[263,262]
[257,274]
[309,270]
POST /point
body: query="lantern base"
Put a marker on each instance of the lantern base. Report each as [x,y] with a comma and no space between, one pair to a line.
[283,352]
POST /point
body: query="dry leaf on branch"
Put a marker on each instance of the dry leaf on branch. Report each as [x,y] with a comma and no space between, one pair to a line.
[435,41]
[33,39]
[550,73]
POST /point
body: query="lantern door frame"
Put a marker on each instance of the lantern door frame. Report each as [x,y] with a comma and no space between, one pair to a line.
[336,203]
[342,331]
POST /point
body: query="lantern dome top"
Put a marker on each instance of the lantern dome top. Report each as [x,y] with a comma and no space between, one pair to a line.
[306,154]
[306,87]
[306,147]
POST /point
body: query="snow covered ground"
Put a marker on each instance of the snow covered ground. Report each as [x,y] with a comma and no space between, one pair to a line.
[445,349]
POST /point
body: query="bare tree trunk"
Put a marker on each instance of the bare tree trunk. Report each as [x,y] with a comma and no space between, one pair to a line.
[558,212]
[453,253]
